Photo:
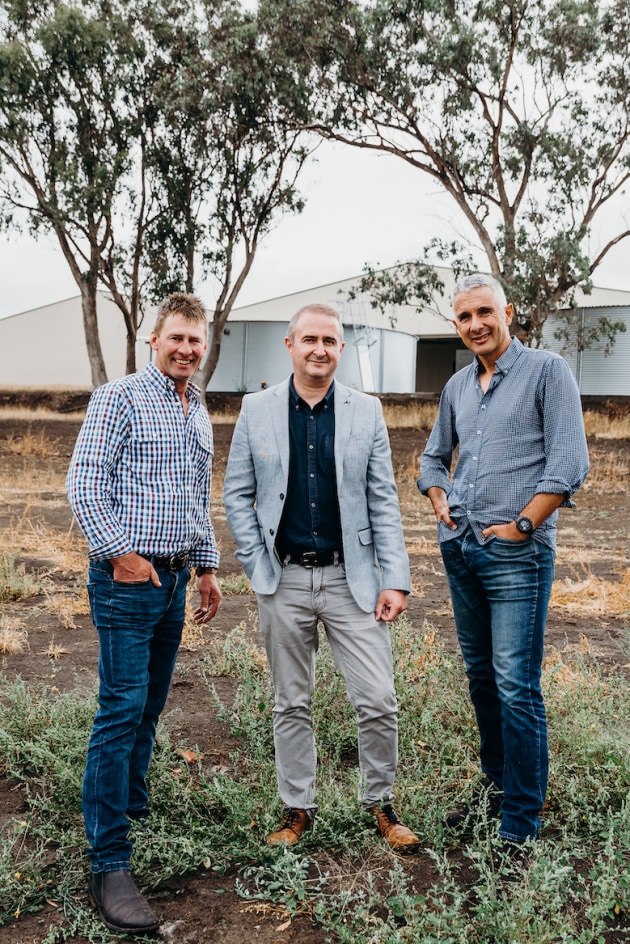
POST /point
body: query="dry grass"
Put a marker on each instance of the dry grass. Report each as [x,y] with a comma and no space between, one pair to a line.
[13,636]
[15,583]
[54,651]
[26,413]
[412,415]
[607,426]
[64,550]
[593,596]
[66,605]
[32,445]
[223,418]
[609,471]
[567,670]
[29,483]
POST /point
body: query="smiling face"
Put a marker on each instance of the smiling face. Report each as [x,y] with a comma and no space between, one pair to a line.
[315,348]
[179,348]
[483,324]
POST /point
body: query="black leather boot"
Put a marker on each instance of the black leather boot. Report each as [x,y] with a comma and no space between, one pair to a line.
[120,904]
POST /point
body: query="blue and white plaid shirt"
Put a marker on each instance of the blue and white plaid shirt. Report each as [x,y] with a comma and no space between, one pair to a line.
[524,436]
[140,475]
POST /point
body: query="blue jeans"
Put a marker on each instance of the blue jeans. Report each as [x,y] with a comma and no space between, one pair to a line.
[500,593]
[139,627]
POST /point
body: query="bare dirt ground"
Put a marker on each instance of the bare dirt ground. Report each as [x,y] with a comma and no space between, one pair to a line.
[594,553]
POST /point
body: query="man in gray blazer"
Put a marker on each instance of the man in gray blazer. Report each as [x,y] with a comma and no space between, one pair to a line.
[311,502]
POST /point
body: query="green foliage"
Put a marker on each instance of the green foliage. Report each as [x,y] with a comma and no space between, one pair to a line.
[517,110]
[146,138]
[67,129]
[15,583]
[204,818]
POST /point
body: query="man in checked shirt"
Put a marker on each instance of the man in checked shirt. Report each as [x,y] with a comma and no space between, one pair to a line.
[516,416]
[139,486]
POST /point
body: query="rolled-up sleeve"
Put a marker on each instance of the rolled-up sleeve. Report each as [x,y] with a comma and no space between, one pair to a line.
[566,450]
[435,464]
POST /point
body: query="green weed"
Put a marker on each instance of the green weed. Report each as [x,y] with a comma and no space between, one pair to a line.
[15,583]
[203,818]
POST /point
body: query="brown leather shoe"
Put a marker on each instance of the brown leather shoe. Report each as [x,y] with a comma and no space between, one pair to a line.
[120,904]
[293,825]
[396,834]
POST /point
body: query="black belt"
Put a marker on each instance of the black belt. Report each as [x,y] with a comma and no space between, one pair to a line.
[314,558]
[174,563]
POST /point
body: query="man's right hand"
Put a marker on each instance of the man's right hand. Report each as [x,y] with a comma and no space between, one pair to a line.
[132,568]
[437,497]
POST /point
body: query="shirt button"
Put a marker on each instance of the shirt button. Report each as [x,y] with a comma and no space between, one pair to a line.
[311,446]
[281,496]
[471,485]
[313,504]
[311,417]
[483,407]
[312,475]
[271,532]
[479,432]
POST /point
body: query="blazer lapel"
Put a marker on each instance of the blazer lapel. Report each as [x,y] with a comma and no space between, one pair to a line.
[344,411]
[280,423]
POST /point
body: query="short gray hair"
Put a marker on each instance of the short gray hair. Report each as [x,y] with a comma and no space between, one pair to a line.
[316,309]
[480,280]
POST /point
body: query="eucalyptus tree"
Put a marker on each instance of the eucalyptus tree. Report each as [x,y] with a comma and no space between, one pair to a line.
[145,136]
[225,165]
[517,109]
[66,132]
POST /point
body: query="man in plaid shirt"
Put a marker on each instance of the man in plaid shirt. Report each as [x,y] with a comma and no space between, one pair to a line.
[139,486]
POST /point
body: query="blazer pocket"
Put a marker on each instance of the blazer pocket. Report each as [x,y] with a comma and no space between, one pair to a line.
[365,536]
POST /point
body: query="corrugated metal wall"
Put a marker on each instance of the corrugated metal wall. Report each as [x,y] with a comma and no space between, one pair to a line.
[253,353]
[596,374]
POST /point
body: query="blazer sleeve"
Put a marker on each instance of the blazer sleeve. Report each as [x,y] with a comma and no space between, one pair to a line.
[384,510]
[239,495]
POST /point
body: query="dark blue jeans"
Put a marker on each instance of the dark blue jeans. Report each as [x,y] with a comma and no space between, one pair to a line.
[139,628]
[500,593]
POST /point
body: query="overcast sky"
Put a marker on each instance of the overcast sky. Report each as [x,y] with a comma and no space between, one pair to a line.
[360,207]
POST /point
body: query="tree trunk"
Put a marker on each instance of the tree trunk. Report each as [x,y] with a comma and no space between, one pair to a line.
[87,286]
[130,366]
[204,376]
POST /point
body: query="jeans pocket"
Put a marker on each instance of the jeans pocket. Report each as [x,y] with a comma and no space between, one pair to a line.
[131,583]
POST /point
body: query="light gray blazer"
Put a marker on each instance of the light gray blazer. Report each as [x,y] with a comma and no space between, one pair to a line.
[256,485]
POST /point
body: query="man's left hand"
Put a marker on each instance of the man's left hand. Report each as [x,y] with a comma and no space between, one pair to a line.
[508,531]
[390,604]
[209,598]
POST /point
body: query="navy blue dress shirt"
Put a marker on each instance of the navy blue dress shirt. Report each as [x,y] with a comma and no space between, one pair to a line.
[310,519]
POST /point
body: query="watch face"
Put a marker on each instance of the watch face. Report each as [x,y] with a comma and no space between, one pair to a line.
[524,525]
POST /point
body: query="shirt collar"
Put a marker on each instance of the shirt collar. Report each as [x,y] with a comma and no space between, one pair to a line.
[167,384]
[507,359]
[295,398]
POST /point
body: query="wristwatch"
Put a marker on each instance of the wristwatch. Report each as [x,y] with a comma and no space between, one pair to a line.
[206,570]
[524,524]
